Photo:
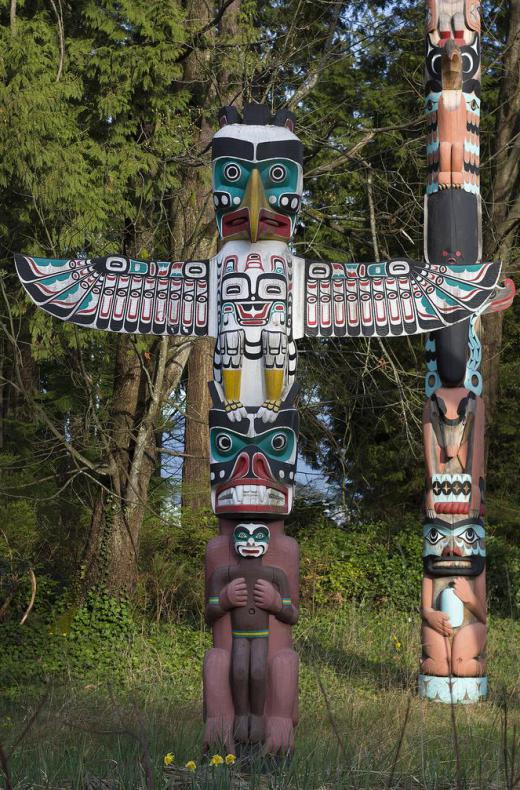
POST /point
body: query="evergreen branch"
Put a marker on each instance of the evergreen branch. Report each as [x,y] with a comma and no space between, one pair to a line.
[197,38]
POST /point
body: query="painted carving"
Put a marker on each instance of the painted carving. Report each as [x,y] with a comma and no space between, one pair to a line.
[280,703]
[253,464]
[257,299]
[452,18]
[250,591]
[454,599]
[454,453]
[453,607]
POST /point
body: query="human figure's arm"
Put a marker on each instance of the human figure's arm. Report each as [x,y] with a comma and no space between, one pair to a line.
[276,601]
[474,598]
[439,621]
[224,594]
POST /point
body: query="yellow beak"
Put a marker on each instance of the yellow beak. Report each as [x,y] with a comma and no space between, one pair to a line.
[255,201]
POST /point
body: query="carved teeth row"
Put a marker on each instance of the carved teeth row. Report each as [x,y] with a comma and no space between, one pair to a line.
[251,495]
[453,564]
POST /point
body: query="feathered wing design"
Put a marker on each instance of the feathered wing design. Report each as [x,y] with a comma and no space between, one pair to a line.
[120,294]
[391,298]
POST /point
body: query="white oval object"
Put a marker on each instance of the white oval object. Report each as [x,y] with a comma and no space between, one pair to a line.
[452,606]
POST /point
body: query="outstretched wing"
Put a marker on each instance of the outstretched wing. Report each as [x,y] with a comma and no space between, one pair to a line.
[120,294]
[399,297]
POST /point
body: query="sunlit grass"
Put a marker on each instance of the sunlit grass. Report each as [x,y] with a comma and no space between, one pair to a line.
[358,676]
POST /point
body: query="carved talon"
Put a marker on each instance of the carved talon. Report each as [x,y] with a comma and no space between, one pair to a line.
[235,410]
[268,410]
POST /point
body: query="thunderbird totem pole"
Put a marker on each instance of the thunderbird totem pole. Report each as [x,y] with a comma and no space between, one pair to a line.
[257,298]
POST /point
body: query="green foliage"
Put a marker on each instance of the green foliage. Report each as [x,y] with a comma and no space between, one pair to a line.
[86,641]
[171,566]
[372,564]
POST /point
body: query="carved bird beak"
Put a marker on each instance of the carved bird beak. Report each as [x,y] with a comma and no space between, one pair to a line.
[255,201]
[451,66]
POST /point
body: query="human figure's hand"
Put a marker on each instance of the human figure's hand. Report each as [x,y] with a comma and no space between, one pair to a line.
[464,591]
[439,621]
[234,594]
[266,596]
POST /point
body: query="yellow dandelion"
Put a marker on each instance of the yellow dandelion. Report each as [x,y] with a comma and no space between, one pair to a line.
[191,765]
[169,758]
[230,759]
[217,759]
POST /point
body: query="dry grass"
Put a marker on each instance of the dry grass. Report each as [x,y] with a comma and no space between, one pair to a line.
[361,725]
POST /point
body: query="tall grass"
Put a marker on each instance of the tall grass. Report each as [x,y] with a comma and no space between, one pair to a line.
[361,726]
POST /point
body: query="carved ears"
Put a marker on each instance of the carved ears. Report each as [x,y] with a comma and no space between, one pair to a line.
[228,114]
[285,118]
[256,115]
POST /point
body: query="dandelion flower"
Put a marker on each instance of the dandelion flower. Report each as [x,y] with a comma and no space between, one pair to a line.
[191,765]
[217,759]
[230,759]
[169,758]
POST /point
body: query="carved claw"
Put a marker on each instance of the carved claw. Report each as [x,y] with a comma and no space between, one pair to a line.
[236,410]
[268,411]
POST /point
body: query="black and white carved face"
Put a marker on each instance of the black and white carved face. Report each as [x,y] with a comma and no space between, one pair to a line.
[257,181]
[256,296]
[251,540]
[454,549]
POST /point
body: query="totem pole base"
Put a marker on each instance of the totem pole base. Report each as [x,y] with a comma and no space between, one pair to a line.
[460,691]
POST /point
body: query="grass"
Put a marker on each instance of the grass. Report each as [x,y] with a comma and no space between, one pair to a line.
[361,723]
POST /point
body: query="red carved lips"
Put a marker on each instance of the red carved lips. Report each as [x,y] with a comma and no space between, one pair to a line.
[270,224]
[253,314]
[259,494]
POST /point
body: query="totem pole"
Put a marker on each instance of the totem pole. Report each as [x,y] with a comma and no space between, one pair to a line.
[257,298]
[453,606]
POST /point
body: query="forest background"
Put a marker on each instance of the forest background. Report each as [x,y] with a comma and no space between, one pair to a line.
[106,113]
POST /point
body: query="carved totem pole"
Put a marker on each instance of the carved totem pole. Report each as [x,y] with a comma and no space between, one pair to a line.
[454,586]
[257,298]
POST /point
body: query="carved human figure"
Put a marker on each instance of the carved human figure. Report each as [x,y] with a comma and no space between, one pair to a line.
[250,591]
[453,604]
[453,17]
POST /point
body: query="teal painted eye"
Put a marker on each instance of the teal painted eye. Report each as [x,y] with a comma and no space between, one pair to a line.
[277,173]
[278,444]
[232,172]
[469,535]
[225,444]
[260,535]
[241,535]
[434,536]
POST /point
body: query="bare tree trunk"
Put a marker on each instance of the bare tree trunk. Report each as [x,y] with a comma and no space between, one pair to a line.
[141,387]
[12,16]
[195,485]
[505,208]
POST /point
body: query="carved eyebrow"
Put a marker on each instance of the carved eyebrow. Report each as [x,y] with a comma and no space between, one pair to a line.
[287,149]
[230,146]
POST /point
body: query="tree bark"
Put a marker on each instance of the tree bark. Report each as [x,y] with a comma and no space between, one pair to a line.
[505,207]
[195,479]
[195,473]
[141,387]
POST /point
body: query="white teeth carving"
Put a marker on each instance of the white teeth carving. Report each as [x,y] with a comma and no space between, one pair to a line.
[251,495]
[453,564]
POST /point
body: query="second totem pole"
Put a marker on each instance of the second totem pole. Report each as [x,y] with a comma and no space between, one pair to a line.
[453,667]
